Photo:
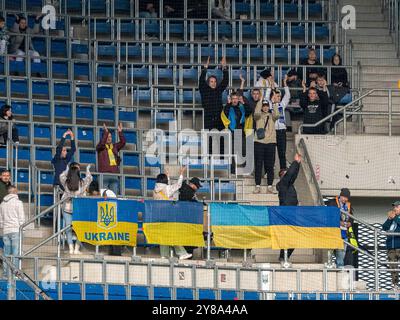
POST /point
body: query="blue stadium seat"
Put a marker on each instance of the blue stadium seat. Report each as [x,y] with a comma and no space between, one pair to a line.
[42,132]
[79,48]
[86,134]
[106,113]
[130,51]
[139,74]
[96,6]
[116,292]
[106,51]
[142,96]
[200,29]
[308,296]
[182,51]
[162,293]
[388,296]
[62,90]
[23,130]
[81,70]
[175,28]
[248,295]
[165,74]
[46,178]
[360,296]
[23,176]
[134,184]
[139,293]
[184,294]
[43,154]
[19,87]
[334,296]
[71,291]
[105,92]
[58,47]
[17,66]
[41,110]
[206,294]
[151,183]
[314,9]
[266,9]
[190,74]
[60,68]
[242,8]
[128,28]
[131,137]
[158,51]
[39,68]
[83,91]
[100,27]
[63,111]
[122,6]
[105,71]
[128,116]
[20,108]
[131,159]
[46,200]
[87,156]
[165,117]
[60,130]
[3,152]
[84,112]
[94,292]
[40,88]
[282,296]
[228,295]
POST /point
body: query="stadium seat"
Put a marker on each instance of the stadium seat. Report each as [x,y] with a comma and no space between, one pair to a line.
[184,294]
[248,295]
[87,156]
[134,186]
[94,292]
[41,110]
[206,294]
[43,154]
[64,112]
[116,292]
[139,293]
[228,295]
[71,291]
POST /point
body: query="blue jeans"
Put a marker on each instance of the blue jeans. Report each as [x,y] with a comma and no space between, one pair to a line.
[340,255]
[67,222]
[11,247]
[112,183]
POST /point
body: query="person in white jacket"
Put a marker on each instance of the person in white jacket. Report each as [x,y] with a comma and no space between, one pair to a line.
[266,81]
[274,97]
[12,216]
[166,191]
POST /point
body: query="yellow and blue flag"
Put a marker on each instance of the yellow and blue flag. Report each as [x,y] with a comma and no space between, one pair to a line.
[305,227]
[173,223]
[106,222]
[239,226]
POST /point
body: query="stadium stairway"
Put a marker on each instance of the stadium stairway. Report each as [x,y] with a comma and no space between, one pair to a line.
[375,49]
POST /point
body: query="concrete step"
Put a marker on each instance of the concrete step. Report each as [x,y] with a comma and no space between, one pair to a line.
[373,46]
[381,54]
[251,182]
[380,76]
[368,39]
[261,197]
[249,189]
[371,24]
[381,130]
[379,84]
[359,31]
[381,70]
[372,100]
[377,62]
[371,16]
[362,9]
[41,233]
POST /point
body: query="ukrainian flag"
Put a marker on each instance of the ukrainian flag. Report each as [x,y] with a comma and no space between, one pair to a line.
[106,222]
[173,223]
[305,227]
[239,226]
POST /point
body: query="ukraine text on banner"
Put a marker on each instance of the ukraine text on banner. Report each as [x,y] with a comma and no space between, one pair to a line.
[173,223]
[106,222]
[240,226]
[305,227]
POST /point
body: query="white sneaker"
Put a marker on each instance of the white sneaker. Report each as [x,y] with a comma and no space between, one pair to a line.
[257,190]
[76,251]
[270,189]
[71,249]
[185,256]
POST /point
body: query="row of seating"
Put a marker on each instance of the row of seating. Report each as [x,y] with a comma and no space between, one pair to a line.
[127,8]
[72,291]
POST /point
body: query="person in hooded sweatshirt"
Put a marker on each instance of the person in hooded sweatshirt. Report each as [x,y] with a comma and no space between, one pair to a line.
[188,190]
[166,191]
[6,114]
[287,192]
[12,216]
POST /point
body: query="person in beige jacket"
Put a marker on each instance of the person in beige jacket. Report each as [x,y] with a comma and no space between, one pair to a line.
[265,141]
[166,191]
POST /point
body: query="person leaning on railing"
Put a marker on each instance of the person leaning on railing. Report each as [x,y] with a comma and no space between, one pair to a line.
[392,224]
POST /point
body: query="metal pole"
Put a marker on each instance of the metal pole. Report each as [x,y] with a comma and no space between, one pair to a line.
[376,260]
[58,227]
[390,112]
[16,164]
[208,234]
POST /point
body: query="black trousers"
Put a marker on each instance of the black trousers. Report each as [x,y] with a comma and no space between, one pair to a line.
[264,156]
[282,253]
[281,146]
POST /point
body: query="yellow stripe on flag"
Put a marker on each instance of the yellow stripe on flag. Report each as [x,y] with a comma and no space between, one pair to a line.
[242,237]
[124,233]
[174,234]
[286,237]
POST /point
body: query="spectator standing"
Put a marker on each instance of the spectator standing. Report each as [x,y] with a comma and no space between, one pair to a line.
[18,42]
[343,256]
[187,192]
[5,182]
[265,81]
[109,159]
[315,105]
[166,191]
[275,99]
[294,81]
[74,186]
[6,114]
[12,216]
[287,192]
[4,37]
[211,96]
[265,142]
[392,224]
[63,157]
[312,72]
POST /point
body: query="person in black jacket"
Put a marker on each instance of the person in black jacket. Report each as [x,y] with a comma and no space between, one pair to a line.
[312,72]
[6,114]
[287,192]
[211,96]
[338,75]
[315,105]
[392,224]
[62,157]
[187,192]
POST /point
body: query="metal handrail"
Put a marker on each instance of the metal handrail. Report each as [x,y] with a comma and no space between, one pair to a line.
[329,117]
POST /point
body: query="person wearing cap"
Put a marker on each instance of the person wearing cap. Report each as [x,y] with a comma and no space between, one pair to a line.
[187,192]
[265,143]
[294,81]
[392,225]
[343,203]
